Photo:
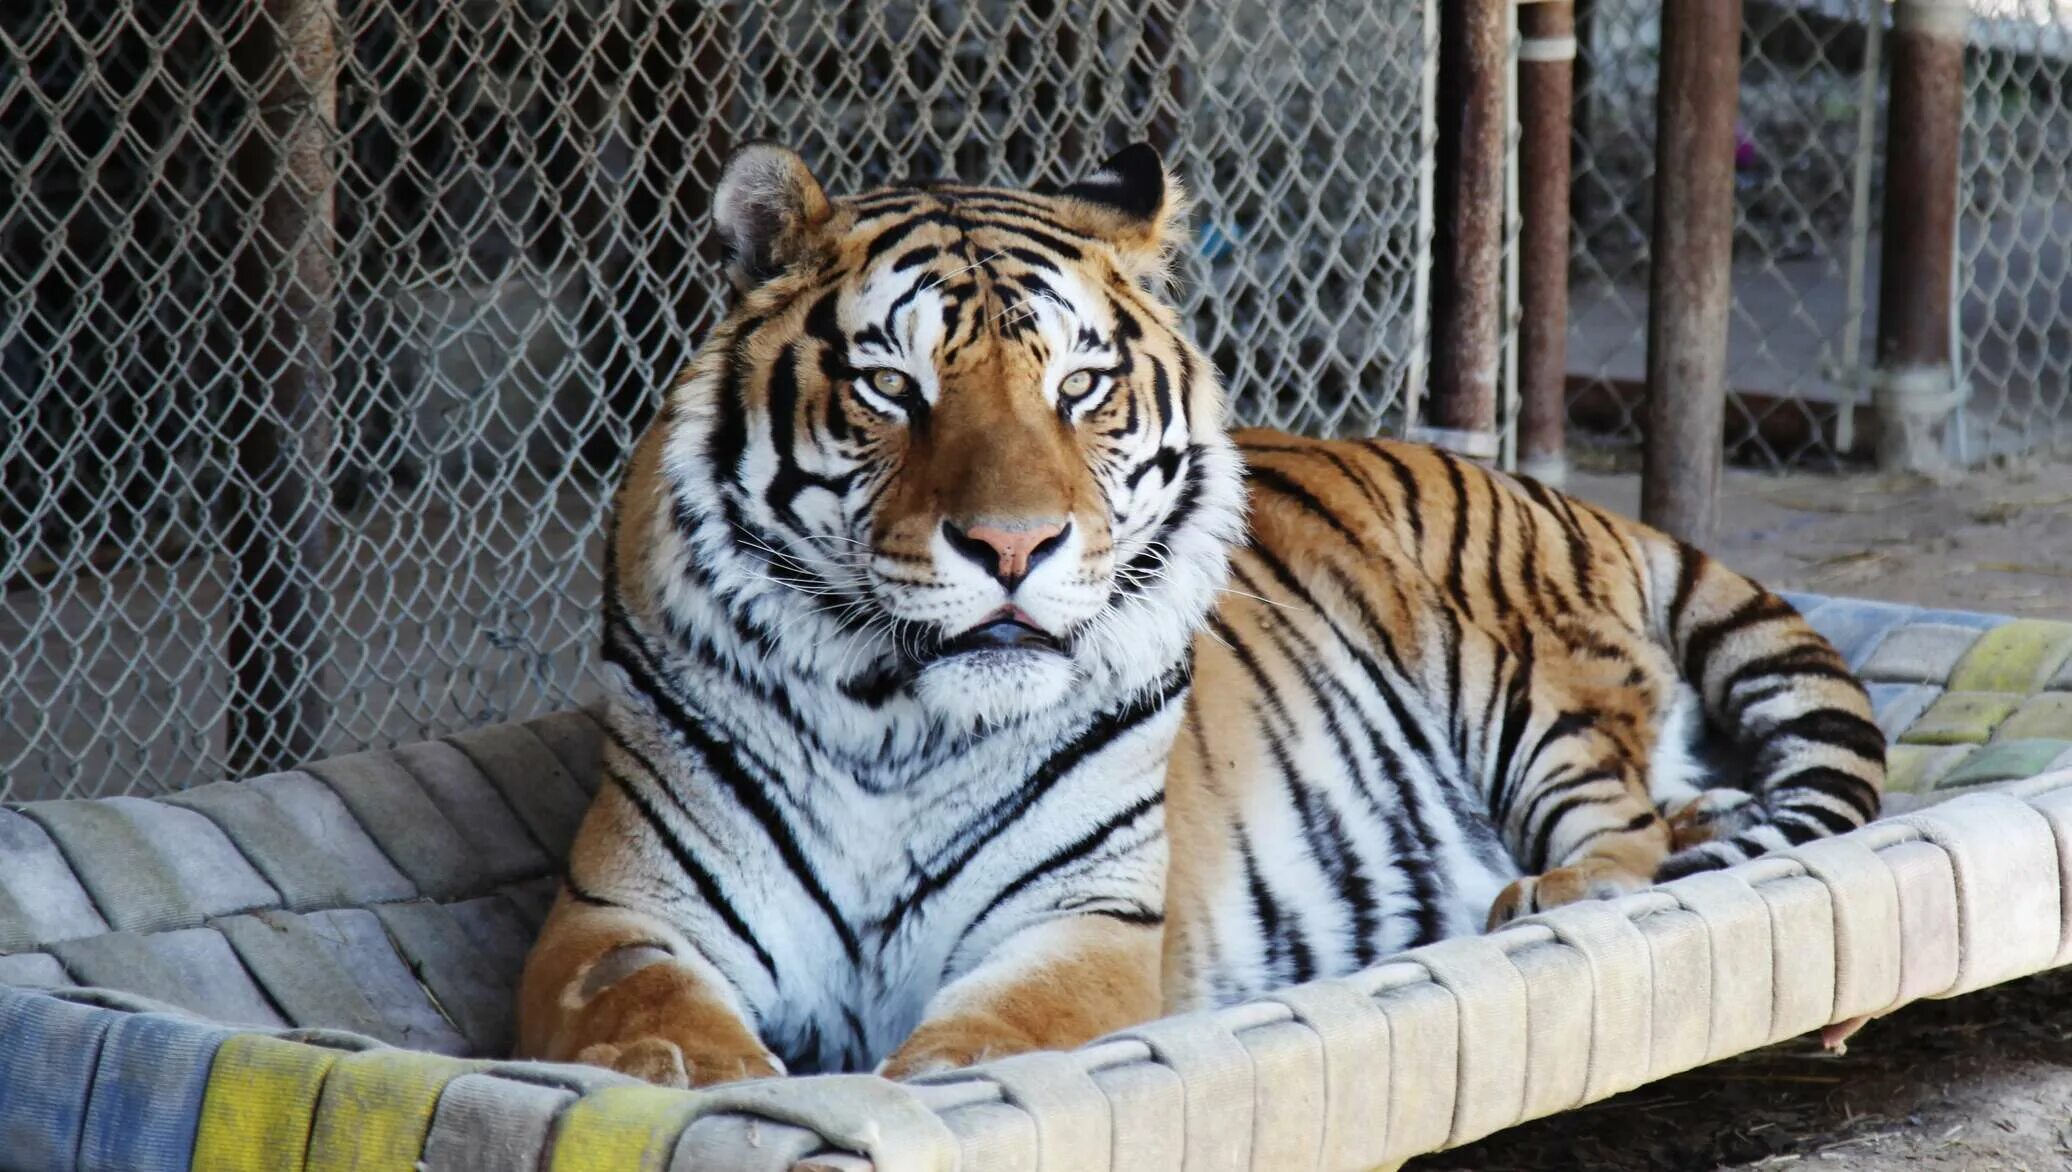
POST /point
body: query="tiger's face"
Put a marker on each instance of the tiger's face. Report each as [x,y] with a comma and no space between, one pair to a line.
[959,429]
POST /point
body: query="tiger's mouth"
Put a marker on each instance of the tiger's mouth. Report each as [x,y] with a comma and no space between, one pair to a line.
[1007,629]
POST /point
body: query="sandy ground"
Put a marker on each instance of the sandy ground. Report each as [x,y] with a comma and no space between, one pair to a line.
[1977,1084]
[1998,539]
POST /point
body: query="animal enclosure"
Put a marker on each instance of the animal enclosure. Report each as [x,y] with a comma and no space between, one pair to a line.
[324,323]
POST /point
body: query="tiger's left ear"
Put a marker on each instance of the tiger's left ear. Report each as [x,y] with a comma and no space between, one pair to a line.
[1136,205]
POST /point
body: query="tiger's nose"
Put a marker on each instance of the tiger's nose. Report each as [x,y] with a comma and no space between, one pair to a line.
[1007,552]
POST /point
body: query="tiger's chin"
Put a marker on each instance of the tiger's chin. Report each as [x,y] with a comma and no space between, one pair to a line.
[990,688]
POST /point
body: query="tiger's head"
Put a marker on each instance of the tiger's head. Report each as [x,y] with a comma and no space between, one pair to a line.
[949,444]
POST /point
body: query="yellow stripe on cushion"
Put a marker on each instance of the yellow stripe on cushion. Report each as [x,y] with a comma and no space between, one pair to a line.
[620,1129]
[377,1107]
[261,1100]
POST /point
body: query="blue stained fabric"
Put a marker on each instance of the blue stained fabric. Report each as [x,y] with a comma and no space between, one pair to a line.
[147,1094]
[1963,618]
[1801,602]
[48,1050]
[1855,627]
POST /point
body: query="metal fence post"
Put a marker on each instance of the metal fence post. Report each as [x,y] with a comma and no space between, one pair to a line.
[1468,227]
[1690,274]
[1546,59]
[1916,387]
[288,275]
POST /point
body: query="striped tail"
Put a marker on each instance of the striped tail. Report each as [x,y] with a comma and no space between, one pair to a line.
[1787,703]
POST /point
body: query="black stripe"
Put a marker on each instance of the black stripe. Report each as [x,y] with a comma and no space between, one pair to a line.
[1553,789]
[581,894]
[1161,393]
[1517,715]
[1566,725]
[1358,478]
[1332,851]
[1101,732]
[1493,567]
[708,887]
[1071,852]
[1834,726]
[1638,822]
[1278,482]
[728,441]
[1703,641]
[1328,693]
[1414,819]
[1830,822]
[1847,788]
[1413,506]
[1529,567]
[1579,546]
[1042,233]
[1450,650]
[1543,838]
[1457,549]
[1138,914]
[1278,927]
[1806,660]
[1185,502]
[887,240]
[1689,564]
[721,762]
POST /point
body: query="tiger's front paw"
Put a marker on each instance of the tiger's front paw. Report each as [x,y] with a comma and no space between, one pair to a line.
[1716,813]
[1590,879]
[664,1063]
[952,1043]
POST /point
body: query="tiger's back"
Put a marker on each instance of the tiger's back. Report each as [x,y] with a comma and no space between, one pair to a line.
[1436,696]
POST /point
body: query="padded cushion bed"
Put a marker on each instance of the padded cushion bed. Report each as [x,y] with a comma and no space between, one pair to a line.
[315,969]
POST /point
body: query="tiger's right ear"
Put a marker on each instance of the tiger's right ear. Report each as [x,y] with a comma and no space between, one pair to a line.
[767,208]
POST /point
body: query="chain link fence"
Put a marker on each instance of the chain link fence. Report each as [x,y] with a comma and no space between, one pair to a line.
[323,323]
[2014,248]
[1809,186]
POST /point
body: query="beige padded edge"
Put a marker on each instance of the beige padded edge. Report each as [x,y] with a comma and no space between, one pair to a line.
[1444,1044]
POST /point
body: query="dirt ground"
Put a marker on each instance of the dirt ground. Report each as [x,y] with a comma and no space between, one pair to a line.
[1982,1083]
[1996,539]
[1977,1084]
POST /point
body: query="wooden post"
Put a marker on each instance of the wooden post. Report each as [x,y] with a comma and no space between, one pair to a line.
[1916,388]
[278,639]
[1546,59]
[1690,274]
[1468,227]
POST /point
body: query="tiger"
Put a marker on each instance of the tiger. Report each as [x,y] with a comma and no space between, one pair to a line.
[975,688]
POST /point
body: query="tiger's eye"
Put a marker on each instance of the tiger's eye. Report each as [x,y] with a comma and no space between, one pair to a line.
[889,383]
[1078,383]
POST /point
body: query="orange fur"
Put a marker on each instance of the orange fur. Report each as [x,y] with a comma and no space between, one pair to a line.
[1100,977]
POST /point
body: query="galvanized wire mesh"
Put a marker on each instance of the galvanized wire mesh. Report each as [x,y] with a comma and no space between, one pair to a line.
[1809,190]
[2014,247]
[323,322]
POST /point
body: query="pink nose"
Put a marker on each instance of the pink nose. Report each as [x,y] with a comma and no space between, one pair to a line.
[1007,552]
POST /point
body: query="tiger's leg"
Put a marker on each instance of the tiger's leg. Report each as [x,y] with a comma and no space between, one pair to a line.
[613,987]
[1577,814]
[1051,986]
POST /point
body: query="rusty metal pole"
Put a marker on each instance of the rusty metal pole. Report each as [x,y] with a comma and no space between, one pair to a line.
[1468,228]
[1690,274]
[1546,59]
[278,637]
[1916,389]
